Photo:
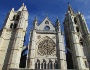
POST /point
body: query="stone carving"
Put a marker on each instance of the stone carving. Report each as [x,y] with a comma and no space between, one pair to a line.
[46,47]
[38,36]
[54,37]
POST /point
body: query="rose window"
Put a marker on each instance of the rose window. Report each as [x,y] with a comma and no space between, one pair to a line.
[46,47]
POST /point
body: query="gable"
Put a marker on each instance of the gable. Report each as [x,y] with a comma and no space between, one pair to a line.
[46,25]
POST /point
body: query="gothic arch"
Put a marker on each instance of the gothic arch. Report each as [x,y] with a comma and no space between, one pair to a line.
[50,64]
[43,65]
[37,64]
[56,64]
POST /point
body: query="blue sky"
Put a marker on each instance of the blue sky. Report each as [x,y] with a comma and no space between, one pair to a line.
[41,8]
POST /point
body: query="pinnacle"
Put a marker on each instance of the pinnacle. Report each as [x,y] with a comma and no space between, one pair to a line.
[57,20]
[70,8]
[36,18]
[23,4]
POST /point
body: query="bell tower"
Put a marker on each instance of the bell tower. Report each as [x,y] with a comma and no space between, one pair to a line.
[46,46]
[12,38]
[77,40]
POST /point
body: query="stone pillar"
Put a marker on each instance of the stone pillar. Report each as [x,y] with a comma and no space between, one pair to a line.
[31,55]
[77,53]
[62,54]
[16,50]
[2,38]
[53,65]
[2,50]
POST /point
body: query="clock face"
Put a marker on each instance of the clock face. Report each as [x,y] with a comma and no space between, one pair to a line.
[46,47]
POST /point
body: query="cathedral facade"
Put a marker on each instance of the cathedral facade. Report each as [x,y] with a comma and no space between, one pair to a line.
[46,47]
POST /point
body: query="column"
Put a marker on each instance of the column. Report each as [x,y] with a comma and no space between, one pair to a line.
[62,54]
[16,50]
[77,53]
[31,55]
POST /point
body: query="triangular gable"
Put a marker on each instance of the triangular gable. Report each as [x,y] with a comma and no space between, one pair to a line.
[46,23]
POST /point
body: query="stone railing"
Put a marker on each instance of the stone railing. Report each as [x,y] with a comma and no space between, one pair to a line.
[38,69]
[44,31]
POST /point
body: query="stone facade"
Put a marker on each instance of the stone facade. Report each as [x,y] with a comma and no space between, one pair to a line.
[12,38]
[77,39]
[46,47]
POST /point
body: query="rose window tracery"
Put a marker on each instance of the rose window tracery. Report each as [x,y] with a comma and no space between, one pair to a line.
[46,47]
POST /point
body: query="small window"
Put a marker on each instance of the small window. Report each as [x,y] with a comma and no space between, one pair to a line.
[56,65]
[50,65]
[77,29]
[46,22]
[43,66]
[37,64]
[75,20]
[81,41]
[11,26]
[47,28]
[15,25]
[16,17]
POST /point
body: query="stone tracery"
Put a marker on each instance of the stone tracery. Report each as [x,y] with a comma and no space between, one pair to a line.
[46,47]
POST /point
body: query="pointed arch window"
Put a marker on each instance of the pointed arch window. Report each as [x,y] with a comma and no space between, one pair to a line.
[16,17]
[43,65]
[15,25]
[11,26]
[46,22]
[37,64]
[50,65]
[81,41]
[56,65]
[75,20]
[77,29]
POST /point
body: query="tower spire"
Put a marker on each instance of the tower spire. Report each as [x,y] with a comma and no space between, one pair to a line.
[35,18]
[57,21]
[70,8]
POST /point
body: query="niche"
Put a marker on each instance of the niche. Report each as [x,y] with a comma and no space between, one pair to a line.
[16,17]
[75,20]
[77,29]
[15,25]
[69,60]
[11,26]
[81,41]
[23,58]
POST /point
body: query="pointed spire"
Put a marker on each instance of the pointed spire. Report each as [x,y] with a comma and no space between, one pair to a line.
[57,21]
[70,8]
[24,8]
[57,24]
[12,9]
[23,4]
[35,21]
[79,12]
